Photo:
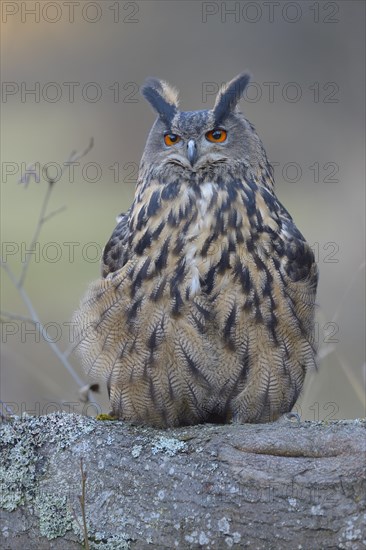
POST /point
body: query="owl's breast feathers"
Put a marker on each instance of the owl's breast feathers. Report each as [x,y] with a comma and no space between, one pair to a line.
[206,306]
[212,230]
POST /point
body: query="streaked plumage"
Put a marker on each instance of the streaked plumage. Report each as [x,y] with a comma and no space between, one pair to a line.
[205,308]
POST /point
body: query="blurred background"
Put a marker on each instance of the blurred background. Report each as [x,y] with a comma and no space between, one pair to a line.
[72,71]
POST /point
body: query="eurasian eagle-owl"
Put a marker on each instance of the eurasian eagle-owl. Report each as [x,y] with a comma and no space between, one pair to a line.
[205,308]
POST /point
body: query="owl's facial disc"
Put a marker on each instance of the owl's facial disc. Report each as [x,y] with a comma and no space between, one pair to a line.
[195,153]
[193,141]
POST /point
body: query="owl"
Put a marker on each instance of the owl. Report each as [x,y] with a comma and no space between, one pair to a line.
[204,311]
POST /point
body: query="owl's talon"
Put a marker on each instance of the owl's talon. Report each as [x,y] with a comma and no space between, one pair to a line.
[293,418]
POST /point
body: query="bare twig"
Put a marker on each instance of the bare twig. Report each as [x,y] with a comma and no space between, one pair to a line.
[351,282]
[77,156]
[327,349]
[46,199]
[7,409]
[82,504]
[42,216]
[16,317]
[54,213]
[324,351]
[19,283]
[37,321]
[69,350]
[352,379]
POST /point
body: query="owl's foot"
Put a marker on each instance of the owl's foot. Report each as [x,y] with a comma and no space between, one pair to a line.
[292,418]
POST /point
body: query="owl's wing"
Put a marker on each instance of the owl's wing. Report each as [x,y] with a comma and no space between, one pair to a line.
[297,256]
[116,251]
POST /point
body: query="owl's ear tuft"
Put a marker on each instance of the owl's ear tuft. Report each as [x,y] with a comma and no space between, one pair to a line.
[229,96]
[162,97]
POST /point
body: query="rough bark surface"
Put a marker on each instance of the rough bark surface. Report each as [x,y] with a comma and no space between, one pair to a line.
[280,485]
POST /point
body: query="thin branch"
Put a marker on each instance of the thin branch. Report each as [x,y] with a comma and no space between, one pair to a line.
[326,350]
[82,504]
[54,213]
[74,156]
[46,199]
[69,350]
[352,379]
[16,317]
[8,410]
[77,156]
[36,320]
[347,290]
[19,283]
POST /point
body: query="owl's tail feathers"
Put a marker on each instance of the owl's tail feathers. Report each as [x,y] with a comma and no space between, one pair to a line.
[274,382]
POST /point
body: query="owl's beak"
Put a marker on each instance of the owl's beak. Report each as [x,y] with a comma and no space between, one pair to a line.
[192,151]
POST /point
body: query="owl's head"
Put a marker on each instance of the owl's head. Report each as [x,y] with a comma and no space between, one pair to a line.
[196,140]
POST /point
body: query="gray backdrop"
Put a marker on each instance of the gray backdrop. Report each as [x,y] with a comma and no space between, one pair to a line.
[72,70]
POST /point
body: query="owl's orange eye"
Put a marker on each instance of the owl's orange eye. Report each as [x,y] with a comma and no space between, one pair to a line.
[171,139]
[217,135]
